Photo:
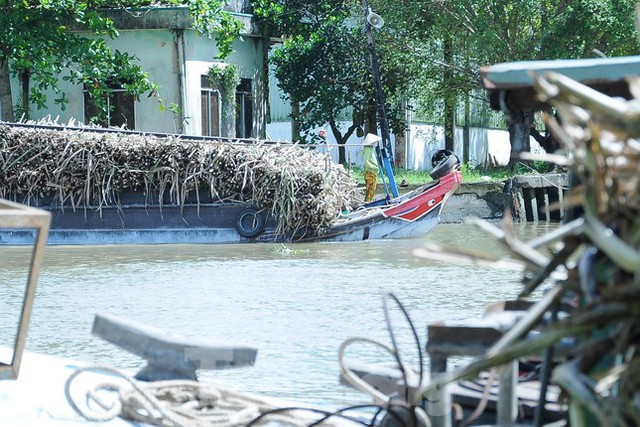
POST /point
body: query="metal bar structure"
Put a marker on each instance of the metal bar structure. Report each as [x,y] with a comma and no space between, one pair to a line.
[17,216]
[136,132]
[385,150]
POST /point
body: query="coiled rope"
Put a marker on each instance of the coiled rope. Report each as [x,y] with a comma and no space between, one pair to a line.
[176,403]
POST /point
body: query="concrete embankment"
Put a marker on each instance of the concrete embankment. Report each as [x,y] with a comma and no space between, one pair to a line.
[530,198]
[485,200]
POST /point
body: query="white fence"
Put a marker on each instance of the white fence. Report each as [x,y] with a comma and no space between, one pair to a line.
[487,147]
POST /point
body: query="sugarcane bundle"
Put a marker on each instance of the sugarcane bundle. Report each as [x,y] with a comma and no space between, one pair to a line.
[80,168]
[591,262]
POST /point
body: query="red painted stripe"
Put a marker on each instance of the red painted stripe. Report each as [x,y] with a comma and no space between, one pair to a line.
[415,208]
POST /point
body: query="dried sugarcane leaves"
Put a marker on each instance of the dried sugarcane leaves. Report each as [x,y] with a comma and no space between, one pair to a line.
[592,276]
[80,168]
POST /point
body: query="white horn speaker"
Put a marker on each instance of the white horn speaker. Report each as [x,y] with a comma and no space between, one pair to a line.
[375,20]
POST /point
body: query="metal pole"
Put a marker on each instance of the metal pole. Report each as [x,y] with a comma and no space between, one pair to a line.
[385,149]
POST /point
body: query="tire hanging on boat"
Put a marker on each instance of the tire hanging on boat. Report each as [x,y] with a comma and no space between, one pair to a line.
[250,222]
[444,166]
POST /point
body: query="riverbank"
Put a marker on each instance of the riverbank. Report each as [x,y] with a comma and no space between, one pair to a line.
[527,196]
[487,201]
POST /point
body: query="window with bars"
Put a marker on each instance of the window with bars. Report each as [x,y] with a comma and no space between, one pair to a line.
[120,109]
[244,109]
[210,107]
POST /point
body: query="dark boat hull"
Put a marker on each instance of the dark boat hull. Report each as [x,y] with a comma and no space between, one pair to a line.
[140,224]
[411,215]
[137,221]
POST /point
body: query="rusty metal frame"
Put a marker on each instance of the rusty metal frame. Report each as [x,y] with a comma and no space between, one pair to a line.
[17,216]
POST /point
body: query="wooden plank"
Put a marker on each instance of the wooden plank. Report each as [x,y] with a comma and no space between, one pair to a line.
[510,84]
[170,355]
[595,70]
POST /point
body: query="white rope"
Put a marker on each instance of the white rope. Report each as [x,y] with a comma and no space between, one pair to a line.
[176,403]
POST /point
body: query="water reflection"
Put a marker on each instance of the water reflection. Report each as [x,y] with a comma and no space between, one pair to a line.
[295,303]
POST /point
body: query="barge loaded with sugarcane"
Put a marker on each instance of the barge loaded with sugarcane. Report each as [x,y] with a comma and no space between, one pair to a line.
[132,187]
[108,187]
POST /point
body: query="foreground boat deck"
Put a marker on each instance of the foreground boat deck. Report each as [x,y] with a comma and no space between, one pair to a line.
[37,397]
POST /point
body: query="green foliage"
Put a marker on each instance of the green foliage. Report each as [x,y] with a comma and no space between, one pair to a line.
[430,51]
[225,78]
[290,18]
[502,173]
[469,173]
[324,63]
[39,46]
[212,20]
[302,63]
[485,32]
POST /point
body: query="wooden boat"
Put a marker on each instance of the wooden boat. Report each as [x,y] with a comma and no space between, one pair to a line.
[143,218]
[410,215]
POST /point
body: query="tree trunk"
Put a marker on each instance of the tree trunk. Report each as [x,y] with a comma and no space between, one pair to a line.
[401,144]
[401,150]
[6,98]
[546,141]
[466,137]
[341,140]
[519,131]
[450,99]
[295,123]
[371,119]
[24,77]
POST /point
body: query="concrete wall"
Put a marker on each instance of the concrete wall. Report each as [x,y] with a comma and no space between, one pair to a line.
[198,59]
[174,59]
[486,147]
[486,201]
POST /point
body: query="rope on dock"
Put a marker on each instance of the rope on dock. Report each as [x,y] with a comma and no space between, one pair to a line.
[184,403]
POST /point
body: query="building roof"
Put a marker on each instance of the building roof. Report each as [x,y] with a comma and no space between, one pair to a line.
[166,18]
[510,84]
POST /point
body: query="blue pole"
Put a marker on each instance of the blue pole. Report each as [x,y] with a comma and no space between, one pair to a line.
[389,170]
[385,150]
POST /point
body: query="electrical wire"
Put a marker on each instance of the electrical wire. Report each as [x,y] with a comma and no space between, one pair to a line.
[384,403]
[395,345]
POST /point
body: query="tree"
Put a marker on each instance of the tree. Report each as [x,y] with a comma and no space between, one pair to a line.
[323,64]
[40,41]
[491,31]
[325,79]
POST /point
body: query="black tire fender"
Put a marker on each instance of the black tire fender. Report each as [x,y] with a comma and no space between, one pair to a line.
[250,222]
[444,167]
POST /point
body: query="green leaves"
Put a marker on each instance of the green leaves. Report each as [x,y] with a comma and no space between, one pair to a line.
[328,72]
[324,64]
[290,18]
[483,32]
[212,20]
[35,37]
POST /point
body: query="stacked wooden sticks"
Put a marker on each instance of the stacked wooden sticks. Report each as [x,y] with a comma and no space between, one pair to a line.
[594,262]
[90,169]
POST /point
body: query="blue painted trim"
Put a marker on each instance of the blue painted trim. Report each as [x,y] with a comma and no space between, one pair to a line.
[389,171]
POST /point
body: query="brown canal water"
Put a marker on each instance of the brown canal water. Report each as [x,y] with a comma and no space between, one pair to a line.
[295,303]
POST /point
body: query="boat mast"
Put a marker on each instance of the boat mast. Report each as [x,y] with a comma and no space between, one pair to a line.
[385,149]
